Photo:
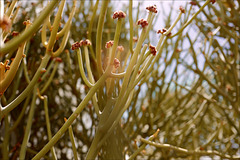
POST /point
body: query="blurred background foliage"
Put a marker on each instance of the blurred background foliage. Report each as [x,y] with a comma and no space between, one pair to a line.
[192,96]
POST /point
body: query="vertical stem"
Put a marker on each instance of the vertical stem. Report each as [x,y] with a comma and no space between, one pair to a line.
[5,146]
[45,100]
[131,26]
[99,36]
[29,125]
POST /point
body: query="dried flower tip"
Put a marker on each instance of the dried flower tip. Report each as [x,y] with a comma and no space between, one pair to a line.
[119,14]
[76,45]
[85,42]
[153,50]
[194,3]
[152,8]
[7,67]
[178,50]
[169,34]
[116,63]
[5,23]
[15,33]
[142,22]
[162,31]
[58,59]
[213,1]
[120,48]
[182,9]
[135,39]
[109,44]
[43,70]
[27,22]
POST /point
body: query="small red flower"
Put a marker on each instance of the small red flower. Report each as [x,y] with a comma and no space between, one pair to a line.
[119,14]
[153,50]
[142,22]
[76,45]
[116,63]
[182,9]
[162,31]
[213,1]
[85,43]
[120,48]
[194,3]
[109,44]
[152,8]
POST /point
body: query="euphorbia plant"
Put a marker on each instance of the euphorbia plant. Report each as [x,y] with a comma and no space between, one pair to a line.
[112,78]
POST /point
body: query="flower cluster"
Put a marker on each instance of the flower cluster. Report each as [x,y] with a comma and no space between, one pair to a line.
[119,14]
[142,22]
[76,45]
[152,8]
[120,48]
[116,63]
[182,9]
[162,31]
[153,50]
[85,42]
[5,23]
[109,44]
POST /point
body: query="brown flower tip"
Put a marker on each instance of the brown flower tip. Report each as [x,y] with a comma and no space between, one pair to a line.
[135,39]
[178,50]
[182,9]
[142,22]
[5,23]
[213,1]
[194,3]
[162,31]
[119,14]
[120,48]
[27,22]
[85,42]
[116,63]
[169,34]
[75,45]
[152,8]
[109,44]
[153,50]
[43,70]
[58,59]
[14,33]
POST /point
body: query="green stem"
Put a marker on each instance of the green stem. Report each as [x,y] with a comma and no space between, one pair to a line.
[89,71]
[5,147]
[10,74]
[14,43]
[50,78]
[45,101]
[73,142]
[55,26]
[143,145]
[21,114]
[82,73]
[29,125]
[99,35]
[74,115]
[131,27]
[25,93]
